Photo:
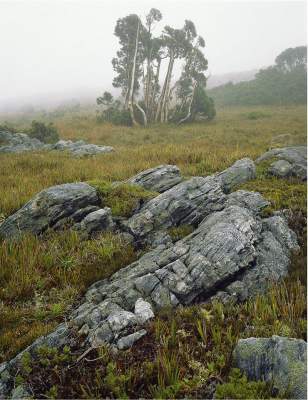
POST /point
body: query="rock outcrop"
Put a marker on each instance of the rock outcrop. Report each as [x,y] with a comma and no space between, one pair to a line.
[80,148]
[20,142]
[279,360]
[51,206]
[158,179]
[292,161]
[241,171]
[232,254]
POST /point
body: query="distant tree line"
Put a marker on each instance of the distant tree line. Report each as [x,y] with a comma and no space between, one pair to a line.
[147,95]
[283,83]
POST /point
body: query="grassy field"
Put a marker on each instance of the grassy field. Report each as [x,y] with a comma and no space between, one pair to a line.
[40,278]
[197,149]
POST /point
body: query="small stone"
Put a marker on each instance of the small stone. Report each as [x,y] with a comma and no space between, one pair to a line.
[120,320]
[98,221]
[127,341]
[20,392]
[281,169]
[102,335]
[143,311]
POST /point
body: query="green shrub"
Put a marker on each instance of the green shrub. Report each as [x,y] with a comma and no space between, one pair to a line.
[239,387]
[46,133]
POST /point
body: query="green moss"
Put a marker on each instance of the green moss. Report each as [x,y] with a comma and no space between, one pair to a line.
[238,387]
[122,198]
[179,232]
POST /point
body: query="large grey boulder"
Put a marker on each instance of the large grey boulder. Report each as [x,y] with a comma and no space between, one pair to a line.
[241,171]
[48,208]
[187,203]
[158,179]
[233,250]
[280,360]
[295,161]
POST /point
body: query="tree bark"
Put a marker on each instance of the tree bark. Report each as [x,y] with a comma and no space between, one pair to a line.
[189,108]
[132,82]
[144,116]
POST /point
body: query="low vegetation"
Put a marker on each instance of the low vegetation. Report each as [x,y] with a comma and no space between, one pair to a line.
[122,198]
[41,278]
[187,352]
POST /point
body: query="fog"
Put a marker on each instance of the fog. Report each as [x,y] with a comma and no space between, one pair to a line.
[61,49]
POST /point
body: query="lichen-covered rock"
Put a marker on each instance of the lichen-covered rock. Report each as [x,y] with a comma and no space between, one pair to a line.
[143,311]
[48,207]
[296,157]
[241,171]
[280,360]
[158,179]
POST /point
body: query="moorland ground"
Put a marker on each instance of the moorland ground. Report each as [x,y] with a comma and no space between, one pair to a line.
[41,278]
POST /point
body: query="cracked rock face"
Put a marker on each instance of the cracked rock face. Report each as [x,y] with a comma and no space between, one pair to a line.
[49,207]
[233,251]
[292,161]
[278,359]
[158,179]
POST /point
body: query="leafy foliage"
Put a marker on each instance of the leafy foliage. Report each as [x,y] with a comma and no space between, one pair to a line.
[46,133]
[283,83]
[238,387]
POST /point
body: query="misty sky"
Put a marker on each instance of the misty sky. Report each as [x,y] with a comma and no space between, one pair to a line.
[59,46]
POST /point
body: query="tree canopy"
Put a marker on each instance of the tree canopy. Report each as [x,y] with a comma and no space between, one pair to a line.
[283,83]
[148,96]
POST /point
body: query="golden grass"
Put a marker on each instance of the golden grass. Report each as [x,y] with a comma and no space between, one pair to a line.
[197,149]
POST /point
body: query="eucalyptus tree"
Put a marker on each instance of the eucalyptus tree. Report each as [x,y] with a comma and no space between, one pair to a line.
[193,76]
[138,64]
[128,62]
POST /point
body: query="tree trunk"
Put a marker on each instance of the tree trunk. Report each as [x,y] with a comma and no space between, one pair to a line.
[132,81]
[164,112]
[161,103]
[190,104]
[144,116]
